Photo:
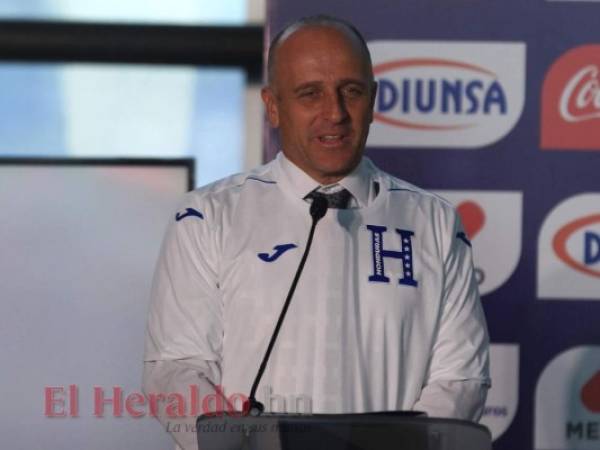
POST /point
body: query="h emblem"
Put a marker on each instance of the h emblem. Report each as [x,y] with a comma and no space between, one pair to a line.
[404,255]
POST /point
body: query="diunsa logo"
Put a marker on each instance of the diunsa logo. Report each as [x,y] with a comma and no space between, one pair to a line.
[588,238]
[569,250]
[439,94]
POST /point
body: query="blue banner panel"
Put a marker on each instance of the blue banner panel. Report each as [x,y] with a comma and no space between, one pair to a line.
[496,107]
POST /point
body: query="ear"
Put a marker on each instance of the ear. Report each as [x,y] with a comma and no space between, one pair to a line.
[373,95]
[271,107]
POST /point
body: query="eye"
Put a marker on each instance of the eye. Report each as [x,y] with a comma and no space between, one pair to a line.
[309,93]
[353,91]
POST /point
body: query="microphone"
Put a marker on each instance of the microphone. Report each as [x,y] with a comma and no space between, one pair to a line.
[318,209]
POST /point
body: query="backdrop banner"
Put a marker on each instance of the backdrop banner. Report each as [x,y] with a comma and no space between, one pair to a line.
[495,106]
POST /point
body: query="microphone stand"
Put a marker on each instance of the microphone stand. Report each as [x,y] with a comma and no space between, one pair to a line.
[318,208]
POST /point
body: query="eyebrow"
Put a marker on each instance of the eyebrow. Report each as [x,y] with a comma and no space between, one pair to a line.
[308,84]
[346,81]
[343,82]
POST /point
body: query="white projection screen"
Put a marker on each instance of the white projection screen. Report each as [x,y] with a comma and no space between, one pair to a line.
[79,241]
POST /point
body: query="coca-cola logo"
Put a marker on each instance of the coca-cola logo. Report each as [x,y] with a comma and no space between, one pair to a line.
[571,101]
[581,98]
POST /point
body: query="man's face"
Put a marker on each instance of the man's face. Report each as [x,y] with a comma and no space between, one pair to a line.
[321,99]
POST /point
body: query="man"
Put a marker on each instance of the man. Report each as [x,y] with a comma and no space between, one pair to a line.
[386,315]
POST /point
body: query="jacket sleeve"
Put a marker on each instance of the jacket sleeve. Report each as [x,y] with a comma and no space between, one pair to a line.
[458,372]
[185,330]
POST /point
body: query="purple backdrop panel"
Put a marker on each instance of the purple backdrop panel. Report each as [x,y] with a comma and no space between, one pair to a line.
[496,107]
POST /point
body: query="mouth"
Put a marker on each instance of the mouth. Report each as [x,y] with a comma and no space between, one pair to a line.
[332,140]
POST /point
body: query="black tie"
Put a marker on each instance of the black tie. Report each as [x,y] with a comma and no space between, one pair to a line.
[337,200]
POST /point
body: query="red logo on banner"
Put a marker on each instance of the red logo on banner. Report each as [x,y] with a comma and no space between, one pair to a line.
[571,101]
[472,216]
[590,394]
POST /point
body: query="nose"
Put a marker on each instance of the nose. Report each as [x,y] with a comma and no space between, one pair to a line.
[335,108]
